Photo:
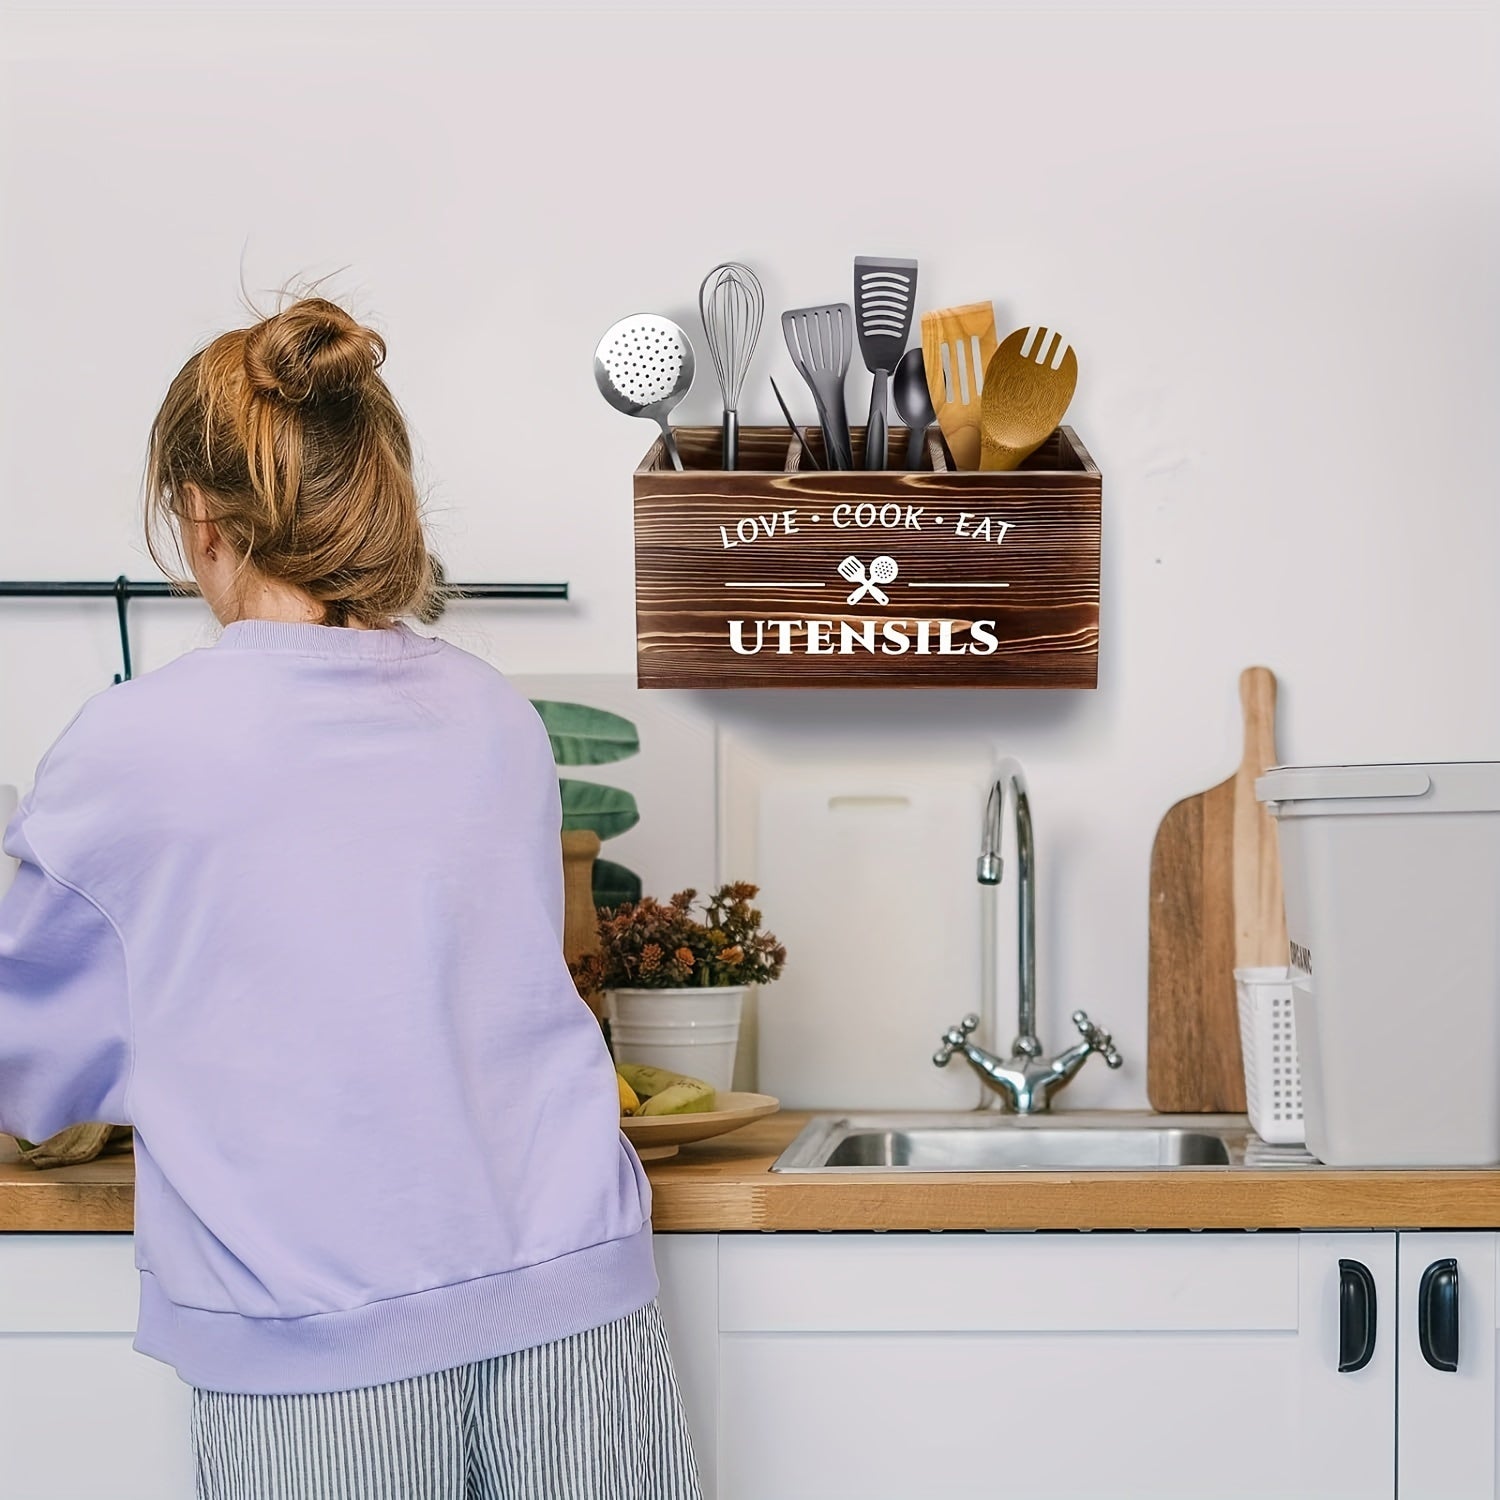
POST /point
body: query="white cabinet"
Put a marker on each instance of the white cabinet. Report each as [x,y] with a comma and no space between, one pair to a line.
[1446,1378]
[1066,1366]
[1102,1366]
[688,1267]
[82,1415]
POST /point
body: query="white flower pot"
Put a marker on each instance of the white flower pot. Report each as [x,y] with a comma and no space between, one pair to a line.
[690,1031]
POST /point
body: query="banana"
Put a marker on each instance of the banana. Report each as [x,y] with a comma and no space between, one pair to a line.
[659,1091]
[630,1103]
[685,1097]
[646,1080]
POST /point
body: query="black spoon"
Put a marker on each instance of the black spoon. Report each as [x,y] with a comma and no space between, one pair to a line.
[913,403]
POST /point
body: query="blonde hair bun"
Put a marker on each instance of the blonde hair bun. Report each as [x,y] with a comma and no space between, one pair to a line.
[303,461]
[311,352]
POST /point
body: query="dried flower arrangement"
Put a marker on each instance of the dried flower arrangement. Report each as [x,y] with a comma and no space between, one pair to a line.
[649,944]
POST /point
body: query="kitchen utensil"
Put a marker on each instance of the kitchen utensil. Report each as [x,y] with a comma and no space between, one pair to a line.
[821,341]
[1216,906]
[657,1136]
[1268,1043]
[807,452]
[882,570]
[643,367]
[957,346]
[852,570]
[885,294]
[914,404]
[1028,384]
[732,304]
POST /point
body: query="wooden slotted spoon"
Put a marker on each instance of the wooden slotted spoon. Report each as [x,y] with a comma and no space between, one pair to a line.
[957,346]
[1027,387]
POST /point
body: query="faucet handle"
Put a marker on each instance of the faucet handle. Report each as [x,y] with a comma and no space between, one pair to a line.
[1098,1039]
[954,1038]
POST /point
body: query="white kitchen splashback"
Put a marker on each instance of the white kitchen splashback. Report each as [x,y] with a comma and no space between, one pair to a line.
[7,864]
[867,875]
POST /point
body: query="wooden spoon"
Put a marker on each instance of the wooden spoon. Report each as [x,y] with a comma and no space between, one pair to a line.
[957,344]
[1027,387]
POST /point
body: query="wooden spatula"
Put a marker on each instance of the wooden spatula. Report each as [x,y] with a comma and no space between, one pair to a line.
[957,346]
[1027,387]
[1216,905]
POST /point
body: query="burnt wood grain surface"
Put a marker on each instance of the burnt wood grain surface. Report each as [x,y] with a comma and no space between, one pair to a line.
[1015,602]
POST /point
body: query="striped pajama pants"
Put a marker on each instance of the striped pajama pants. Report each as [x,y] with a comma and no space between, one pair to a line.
[594,1417]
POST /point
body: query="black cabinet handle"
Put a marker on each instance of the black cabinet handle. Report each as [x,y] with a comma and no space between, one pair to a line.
[1437,1315]
[1356,1316]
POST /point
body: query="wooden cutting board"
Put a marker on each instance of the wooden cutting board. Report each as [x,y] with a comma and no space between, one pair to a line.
[1216,905]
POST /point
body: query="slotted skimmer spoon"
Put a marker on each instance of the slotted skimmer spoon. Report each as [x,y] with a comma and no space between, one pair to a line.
[643,367]
[1027,387]
[821,341]
[957,346]
[885,295]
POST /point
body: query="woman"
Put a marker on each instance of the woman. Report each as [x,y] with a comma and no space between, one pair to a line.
[292,906]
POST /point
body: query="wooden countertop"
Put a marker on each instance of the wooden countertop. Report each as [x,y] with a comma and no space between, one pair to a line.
[725,1185]
[96,1195]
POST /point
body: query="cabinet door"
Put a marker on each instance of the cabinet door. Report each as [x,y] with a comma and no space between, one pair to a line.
[1446,1415]
[1072,1367]
[688,1267]
[82,1415]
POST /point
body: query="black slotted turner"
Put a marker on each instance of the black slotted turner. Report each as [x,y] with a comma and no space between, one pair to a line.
[821,342]
[885,296]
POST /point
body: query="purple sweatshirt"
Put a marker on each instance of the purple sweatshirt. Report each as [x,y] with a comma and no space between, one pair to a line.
[292,907]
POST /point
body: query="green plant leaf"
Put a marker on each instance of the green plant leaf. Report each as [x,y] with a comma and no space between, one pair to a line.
[584,736]
[614,884]
[606,809]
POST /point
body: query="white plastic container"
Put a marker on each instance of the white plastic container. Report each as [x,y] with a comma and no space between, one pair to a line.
[1392,880]
[1268,1041]
[690,1031]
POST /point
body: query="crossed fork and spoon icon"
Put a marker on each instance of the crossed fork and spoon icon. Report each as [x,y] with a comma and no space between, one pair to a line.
[882,570]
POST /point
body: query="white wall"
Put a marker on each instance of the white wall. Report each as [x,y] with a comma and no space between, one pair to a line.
[1271,231]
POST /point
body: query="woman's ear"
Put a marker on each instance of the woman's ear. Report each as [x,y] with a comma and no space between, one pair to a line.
[202,533]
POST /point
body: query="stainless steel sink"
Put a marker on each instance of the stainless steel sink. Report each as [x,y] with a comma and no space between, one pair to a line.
[986,1142]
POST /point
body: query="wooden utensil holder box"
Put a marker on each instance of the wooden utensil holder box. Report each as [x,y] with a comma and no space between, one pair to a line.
[984,580]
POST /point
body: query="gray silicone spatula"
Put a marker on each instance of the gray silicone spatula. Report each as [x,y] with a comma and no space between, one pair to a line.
[821,341]
[885,295]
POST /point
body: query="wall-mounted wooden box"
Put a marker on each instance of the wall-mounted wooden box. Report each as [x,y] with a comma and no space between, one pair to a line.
[779,576]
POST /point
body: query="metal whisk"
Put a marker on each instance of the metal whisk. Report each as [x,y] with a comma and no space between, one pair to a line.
[732,304]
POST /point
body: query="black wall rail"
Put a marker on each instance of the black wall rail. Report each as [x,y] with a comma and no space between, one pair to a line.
[122,590]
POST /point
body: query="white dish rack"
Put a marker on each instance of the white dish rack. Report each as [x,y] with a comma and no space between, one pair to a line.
[1268,1039]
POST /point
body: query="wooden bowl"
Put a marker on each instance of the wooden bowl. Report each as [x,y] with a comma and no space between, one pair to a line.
[658,1136]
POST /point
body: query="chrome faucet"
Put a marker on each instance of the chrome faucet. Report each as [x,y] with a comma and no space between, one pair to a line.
[1026,1080]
